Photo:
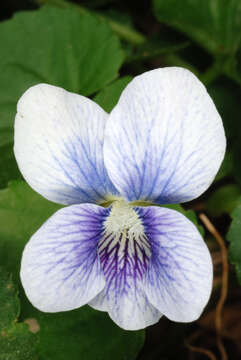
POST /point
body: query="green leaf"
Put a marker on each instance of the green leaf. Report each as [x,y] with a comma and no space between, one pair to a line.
[85,334]
[9,303]
[109,96]
[81,334]
[214,24]
[61,47]
[120,27]
[22,212]
[8,165]
[223,200]
[234,236]
[16,341]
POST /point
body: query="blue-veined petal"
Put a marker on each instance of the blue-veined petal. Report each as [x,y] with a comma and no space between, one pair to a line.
[58,145]
[179,276]
[164,140]
[60,268]
[124,254]
[128,306]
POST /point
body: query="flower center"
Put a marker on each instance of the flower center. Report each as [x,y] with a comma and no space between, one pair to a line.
[124,247]
[124,220]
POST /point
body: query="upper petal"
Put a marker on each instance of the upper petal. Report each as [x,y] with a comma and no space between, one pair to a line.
[179,276]
[164,140]
[60,267]
[58,145]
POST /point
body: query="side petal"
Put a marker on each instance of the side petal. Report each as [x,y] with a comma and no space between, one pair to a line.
[164,140]
[180,272]
[58,145]
[60,268]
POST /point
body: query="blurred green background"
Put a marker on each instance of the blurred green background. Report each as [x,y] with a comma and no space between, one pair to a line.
[94,48]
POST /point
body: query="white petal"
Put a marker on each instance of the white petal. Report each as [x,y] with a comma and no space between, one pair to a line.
[164,140]
[60,268]
[59,145]
[99,303]
[180,273]
[131,311]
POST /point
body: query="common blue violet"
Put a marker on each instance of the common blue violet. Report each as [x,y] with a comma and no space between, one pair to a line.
[162,143]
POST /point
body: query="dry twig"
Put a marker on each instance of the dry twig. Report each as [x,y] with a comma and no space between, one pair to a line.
[224,290]
[196,349]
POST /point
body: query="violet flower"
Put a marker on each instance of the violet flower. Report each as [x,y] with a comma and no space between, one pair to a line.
[163,143]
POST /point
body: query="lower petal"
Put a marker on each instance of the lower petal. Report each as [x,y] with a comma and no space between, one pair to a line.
[60,268]
[124,255]
[128,305]
[179,276]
